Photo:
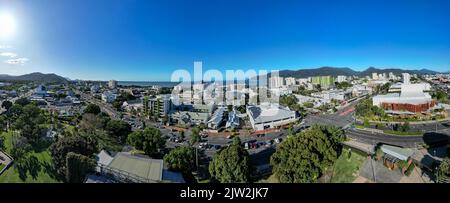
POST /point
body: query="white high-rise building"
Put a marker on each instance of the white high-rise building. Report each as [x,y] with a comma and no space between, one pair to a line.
[112,84]
[375,76]
[290,81]
[341,78]
[406,78]
[276,82]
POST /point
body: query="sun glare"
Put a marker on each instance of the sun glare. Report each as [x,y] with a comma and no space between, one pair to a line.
[7,25]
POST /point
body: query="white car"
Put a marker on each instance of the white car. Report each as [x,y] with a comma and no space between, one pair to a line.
[277,140]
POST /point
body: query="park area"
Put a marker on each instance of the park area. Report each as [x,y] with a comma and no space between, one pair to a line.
[36,167]
[346,167]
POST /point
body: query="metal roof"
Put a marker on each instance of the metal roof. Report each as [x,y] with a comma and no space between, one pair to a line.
[397,152]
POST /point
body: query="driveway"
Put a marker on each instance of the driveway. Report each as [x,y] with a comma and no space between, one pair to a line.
[375,171]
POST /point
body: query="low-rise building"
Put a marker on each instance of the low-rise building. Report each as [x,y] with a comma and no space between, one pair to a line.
[233,121]
[266,116]
[109,97]
[412,98]
[216,119]
[160,105]
[124,167]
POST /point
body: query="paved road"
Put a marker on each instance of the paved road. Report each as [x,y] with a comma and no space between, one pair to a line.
[429,138]
[104,107]
[342,118]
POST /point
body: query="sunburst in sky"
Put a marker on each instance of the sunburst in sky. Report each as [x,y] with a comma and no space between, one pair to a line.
[7,25]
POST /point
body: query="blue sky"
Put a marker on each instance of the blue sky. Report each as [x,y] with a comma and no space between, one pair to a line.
[145,40]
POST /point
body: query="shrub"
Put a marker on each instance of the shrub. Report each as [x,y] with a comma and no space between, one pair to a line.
[410,169]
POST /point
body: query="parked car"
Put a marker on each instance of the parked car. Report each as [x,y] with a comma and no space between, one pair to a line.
[277,140]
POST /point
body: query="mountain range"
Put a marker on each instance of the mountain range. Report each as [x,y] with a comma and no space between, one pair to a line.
[335,71]
[38,77]
[302,73]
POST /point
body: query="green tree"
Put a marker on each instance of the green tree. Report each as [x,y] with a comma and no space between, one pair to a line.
[64,145]
[230,165]
[118,129]
[3,123]
[181,159]
[92,123]
[289,101]
[440,95]
[7,104]
[195,137]
[136,139]
[443,171]
[366,123]
[29,122]
[117,105]
[22,101]
[236,141]
[78,166]
[92,109]
[149,140]
[20,147]
[304,157]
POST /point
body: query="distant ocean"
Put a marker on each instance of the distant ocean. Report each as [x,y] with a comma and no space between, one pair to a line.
[146,84]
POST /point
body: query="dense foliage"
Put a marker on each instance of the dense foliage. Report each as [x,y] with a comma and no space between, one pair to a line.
[303,158]
[181,159]
[365,108]
[230,165]
[343,85]
[291,101]
[149,141]
[78,166]
[444,169]
[92,109]
[64,145]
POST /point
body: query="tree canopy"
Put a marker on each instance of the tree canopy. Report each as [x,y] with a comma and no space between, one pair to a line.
[93,109]
[231,165]
[444,169]
[29,122]
[64,145]
[195,137]
[181,159]
[22,101]
[118,129]
[149,141]
[78,166]
[7,104]
[303,158]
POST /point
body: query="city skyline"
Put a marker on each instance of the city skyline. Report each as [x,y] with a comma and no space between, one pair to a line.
[148,40]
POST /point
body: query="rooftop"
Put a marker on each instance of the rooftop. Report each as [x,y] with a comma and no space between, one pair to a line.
[269,112]
[397,152]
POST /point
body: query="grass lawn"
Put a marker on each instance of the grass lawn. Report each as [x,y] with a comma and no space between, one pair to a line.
[1,167]
[38,167]
[346,169]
